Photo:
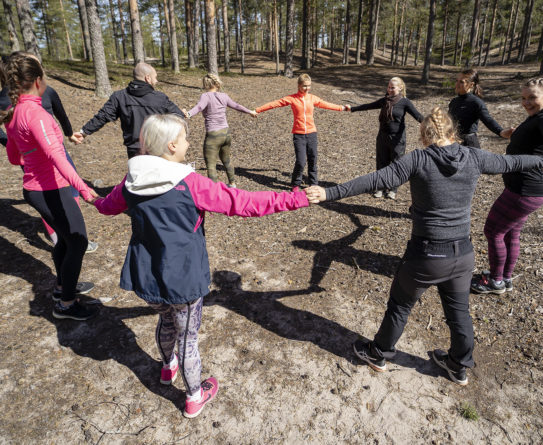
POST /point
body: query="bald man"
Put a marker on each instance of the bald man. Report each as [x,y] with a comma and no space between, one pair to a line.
[132,105]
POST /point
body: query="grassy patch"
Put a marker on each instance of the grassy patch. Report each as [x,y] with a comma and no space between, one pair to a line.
[468,411]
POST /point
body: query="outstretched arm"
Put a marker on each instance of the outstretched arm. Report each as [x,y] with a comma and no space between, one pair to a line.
[60,113]
[283,102]
[200,106]
[217,197]
[489,122]
[371,106]
[319,103]
[108,113]
[412,110]
[114,203]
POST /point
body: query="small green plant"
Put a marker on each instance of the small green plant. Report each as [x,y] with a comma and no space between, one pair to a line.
[468,411]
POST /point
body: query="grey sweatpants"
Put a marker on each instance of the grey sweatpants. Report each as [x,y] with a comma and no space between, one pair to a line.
[179,324]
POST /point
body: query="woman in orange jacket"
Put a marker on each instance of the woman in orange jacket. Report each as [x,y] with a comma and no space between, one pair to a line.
[304,132]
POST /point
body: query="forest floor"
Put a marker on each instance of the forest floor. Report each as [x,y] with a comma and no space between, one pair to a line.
[280,349]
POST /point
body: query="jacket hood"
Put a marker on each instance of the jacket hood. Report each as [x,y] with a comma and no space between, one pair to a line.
[449,158]
[139,88]
[151,175]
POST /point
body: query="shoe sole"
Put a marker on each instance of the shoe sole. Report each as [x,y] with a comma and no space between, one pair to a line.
[90,286]
[493,291]
[71,317]
[451,375]
[169,382]
[370,364]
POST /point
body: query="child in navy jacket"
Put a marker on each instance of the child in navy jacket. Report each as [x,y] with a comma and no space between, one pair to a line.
[166,263]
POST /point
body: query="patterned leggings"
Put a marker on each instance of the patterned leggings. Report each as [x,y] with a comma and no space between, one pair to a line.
[217,146]
[502,230]
[179,323]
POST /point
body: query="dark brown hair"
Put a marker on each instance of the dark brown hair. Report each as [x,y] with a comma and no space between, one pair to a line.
[473,76]
[21,72]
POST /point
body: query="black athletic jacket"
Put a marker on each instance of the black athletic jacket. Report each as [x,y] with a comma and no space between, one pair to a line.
[132,105]
[467,109]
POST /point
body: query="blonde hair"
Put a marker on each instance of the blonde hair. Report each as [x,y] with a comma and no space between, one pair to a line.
[438,126]
[211,81]
[158,130]
[303,78]
[400,82]
[534,82]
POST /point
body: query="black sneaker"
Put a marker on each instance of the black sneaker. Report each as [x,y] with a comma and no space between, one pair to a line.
[76,311]
[508,284]
[457,376]
[363,352]
[487,285]
[82,288]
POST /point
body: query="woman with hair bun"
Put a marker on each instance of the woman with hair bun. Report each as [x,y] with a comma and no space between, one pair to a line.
[468,108]
[442,178]
[213,104]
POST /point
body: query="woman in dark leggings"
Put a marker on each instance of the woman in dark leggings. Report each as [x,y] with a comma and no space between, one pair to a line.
[442,179]
[468,108]
[390,143]
[523,195]
[35,139]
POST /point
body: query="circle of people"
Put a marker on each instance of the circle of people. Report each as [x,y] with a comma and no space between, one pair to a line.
[166,262]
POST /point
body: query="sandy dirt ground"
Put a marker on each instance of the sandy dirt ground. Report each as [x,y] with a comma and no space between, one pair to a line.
[291,292]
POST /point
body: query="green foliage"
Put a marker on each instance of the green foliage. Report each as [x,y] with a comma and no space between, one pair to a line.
[468,411]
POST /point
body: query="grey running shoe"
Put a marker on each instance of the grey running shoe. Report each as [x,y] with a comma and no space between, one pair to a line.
[82,288]
[487,285]
[391,195]
[92,247]
[363,352]
[508,284]
[443,361]
[378,194]
[76,311]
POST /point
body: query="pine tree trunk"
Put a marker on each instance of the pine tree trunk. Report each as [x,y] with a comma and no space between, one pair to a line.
[211,33]
[66,33]
[189,21]
[509,23]
[168,32]
[241,44]
[457,35]
[513,32]
[359,31]
[114,31]
[13,38]
[444,39]
[27,28]
[462,45]
[539,52]
[276,36]
[408,48]
[491,33]
[161,25]
[417,49]
[372,35]
[474,30]
[103,88]
[137,39]
[196,28]
[347,33]
[46,28]
[289,44]
[123,33]
[524,40]
[483,33]
[392,48]
[429,38]
[398,33]
[202,27]
[226,36]
[305,26]
[174,53]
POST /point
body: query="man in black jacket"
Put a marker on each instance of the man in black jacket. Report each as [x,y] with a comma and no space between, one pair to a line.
[132,105]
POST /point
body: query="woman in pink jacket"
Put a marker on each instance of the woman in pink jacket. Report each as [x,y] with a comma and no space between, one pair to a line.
[35,139]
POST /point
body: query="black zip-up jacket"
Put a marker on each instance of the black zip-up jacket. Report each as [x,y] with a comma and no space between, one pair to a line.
[526,139]
[397,124]
[467,110]
[132,105]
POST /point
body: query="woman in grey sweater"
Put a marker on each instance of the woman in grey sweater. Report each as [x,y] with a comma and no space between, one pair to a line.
[442,178]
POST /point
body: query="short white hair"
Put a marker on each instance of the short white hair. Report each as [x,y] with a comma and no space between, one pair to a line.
[158,130]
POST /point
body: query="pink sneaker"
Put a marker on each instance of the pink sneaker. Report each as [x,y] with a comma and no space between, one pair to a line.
[209,391]
[168,376]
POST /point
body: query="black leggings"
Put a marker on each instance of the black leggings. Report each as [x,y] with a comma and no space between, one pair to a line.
[59,209]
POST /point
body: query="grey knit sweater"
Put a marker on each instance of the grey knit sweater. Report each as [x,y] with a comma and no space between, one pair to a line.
[442,181]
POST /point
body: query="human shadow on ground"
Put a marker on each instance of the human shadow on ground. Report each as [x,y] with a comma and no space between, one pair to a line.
[341,250]
[264,309]
[254,174]
[18,221]
[106,337]
[69,83]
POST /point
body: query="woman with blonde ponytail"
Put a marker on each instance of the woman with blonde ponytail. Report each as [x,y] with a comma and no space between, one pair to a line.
[213,104]
[35,140]
[442,178]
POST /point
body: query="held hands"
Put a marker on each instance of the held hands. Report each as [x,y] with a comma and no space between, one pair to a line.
[77,138]
[506,134]
[186,114]
[254,113]
[94,197]
[346,108]
[315,194]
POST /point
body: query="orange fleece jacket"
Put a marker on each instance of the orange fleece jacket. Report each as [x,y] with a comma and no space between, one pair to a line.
[302,107]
